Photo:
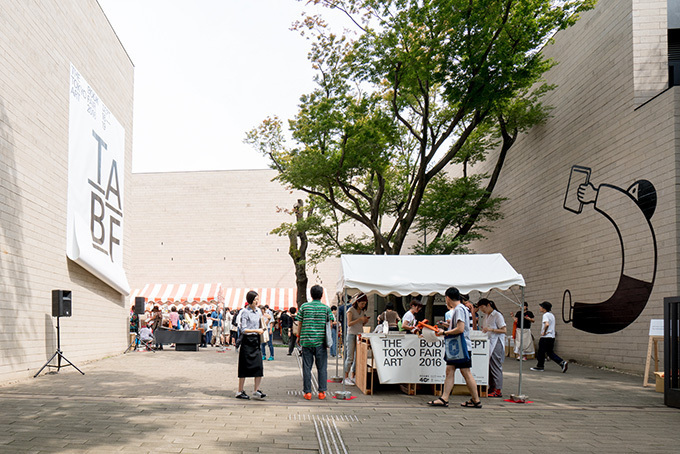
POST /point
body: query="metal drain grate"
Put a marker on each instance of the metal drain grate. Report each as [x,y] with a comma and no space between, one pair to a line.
[299,417]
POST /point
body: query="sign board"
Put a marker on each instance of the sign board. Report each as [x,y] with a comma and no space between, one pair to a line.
[96,181]
[405,358]
[656,327]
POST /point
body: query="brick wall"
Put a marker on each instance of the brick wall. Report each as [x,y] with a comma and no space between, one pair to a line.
[598,122]
[215,227]
[40,40]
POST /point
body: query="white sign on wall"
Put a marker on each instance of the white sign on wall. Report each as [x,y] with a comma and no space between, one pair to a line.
[96,172]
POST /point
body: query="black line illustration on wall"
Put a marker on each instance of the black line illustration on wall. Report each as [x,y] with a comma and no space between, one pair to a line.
[630,212]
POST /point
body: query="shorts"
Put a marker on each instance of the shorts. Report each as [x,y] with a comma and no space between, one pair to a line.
[461,364]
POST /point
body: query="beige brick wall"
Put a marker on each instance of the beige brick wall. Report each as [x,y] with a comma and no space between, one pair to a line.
[40,40]
[215,227]
[595,124]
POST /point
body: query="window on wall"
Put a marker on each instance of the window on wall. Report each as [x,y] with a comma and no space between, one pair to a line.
[674,56]
[674,42]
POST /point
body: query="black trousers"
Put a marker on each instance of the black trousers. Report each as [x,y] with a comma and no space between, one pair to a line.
[546,346]
[292,342]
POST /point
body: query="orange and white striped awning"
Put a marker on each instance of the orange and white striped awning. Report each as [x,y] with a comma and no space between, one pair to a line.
[277,298]
[179,293]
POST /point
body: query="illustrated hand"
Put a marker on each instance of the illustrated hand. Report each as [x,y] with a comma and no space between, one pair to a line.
[587,193]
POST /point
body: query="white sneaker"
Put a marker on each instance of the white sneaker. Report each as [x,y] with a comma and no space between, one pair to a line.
[349,381]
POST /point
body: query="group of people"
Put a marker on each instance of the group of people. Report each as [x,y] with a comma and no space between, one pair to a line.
[308,330]
[251,329]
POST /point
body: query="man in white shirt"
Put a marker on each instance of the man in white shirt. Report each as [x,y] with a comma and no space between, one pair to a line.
[546,344]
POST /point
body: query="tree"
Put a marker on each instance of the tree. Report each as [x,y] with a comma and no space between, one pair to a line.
[421,85]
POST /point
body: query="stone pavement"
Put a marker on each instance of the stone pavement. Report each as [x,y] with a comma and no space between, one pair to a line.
[183,402]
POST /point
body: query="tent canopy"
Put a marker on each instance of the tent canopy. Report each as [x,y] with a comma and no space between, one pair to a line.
[426,274]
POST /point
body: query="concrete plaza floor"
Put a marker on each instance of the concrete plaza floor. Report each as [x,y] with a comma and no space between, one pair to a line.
[183,402]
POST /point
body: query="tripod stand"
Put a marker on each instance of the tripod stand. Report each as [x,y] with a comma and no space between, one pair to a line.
[59,356]
[134,344]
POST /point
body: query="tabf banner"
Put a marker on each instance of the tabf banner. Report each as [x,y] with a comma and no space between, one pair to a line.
[96,173]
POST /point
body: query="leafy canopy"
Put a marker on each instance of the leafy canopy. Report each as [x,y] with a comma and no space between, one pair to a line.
[415,86]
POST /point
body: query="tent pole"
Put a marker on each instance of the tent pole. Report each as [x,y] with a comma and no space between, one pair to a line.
[521,343]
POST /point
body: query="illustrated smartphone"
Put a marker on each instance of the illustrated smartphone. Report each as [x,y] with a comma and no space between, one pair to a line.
[579,175]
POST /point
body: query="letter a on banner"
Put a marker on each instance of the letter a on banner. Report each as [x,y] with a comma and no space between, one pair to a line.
[96,163]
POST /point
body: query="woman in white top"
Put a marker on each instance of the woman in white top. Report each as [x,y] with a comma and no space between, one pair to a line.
[495,328]
[356,319]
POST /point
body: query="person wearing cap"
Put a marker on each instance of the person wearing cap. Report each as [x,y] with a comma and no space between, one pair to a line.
[495,328]
[546,344]
[408,323]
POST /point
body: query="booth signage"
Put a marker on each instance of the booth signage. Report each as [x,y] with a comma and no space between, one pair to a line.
[406,358]
[96,171]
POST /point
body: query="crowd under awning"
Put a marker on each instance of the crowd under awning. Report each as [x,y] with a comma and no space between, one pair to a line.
[212,294]
[277,298]
[179,294]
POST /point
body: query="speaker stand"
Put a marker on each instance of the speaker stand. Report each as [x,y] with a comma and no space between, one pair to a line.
[134,345]
[59,355]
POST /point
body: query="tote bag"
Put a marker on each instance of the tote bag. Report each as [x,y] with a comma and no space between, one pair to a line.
[456,349]
[329,335]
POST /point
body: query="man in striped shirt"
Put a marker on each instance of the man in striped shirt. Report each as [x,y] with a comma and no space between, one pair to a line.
[312,318]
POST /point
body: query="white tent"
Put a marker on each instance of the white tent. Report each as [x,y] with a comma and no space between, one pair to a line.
[426,274]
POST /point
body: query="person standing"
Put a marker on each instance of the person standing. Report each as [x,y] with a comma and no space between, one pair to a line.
[313,317]
[546,344]
[495,328]
[334,331]
[460,325]
[134,324]
[268,317]
[203,324]
[391,316]
[293,332]
[356,319]
[249,359]
[227,327]
[286,326]
[524,336]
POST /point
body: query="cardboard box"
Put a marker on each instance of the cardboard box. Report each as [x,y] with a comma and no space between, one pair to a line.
[659,381]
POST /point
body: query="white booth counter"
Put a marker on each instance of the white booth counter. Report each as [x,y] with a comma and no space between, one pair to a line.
[410,359]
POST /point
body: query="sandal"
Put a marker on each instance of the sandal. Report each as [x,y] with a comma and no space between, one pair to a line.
[472,404]
[438,402]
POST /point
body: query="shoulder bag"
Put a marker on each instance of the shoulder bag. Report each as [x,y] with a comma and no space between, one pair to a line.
[329,333]
[264,337]
[456,349]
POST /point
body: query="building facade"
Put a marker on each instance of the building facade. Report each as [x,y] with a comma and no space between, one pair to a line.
[42,43]
[607,257]
[215,227]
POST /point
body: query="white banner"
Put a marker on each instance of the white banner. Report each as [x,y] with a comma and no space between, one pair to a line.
[405,358]
[96,174]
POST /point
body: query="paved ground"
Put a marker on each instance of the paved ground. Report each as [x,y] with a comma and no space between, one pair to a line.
[183,402]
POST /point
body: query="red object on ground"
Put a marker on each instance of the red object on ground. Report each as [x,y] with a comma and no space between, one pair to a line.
[353,397]
[512,401]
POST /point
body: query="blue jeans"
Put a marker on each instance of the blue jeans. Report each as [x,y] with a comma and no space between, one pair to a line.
[334,347]
[271,346]
[309,356]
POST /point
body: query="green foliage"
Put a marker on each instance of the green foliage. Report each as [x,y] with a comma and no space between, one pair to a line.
[421,84]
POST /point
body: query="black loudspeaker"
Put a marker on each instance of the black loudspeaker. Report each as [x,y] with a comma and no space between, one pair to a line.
[61,303]
[139,304]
